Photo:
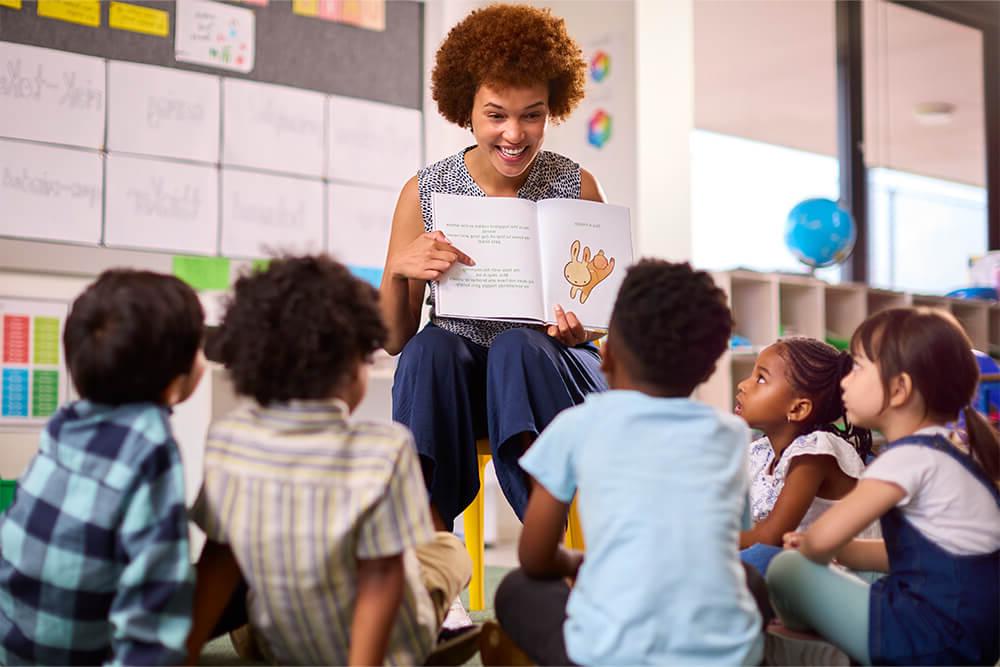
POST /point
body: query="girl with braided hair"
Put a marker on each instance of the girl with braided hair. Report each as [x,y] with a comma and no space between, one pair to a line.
[805,461]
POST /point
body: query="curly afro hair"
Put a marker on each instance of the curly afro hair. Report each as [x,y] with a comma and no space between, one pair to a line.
[507,45]
[298,329]
[672,324]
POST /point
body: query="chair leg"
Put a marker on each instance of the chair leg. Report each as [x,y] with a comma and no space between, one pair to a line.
[574,531]
[473,522]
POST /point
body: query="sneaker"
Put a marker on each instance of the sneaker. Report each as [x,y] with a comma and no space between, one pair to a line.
[497,648]
[457,617]
[792,647]
[455,647]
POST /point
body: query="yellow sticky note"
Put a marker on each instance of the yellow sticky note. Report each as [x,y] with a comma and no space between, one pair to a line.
[305,7]
[84,12]
[123,16]
[13,4]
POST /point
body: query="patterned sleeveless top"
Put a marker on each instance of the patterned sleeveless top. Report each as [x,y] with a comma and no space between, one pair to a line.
[552,176]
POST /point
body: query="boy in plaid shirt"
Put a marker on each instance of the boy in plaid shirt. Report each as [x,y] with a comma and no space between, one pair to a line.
[94,561]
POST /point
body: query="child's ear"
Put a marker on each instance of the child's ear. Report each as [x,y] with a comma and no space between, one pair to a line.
[182,386]
[900,390]
[801,409]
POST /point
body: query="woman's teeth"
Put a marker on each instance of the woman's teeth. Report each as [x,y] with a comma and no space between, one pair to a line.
[512,152]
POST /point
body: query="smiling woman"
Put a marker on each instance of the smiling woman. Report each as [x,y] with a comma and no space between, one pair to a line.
[462,379]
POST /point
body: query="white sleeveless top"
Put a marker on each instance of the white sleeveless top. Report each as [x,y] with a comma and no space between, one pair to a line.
[765,488]
[552,176]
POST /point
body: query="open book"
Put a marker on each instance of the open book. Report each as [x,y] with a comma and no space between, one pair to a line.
[531,256]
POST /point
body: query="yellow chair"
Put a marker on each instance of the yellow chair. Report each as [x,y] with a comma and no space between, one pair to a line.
[473,521]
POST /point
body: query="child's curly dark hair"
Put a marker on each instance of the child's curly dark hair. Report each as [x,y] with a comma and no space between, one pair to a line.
[814,370]
[507,45]
[298,329]
[673,323]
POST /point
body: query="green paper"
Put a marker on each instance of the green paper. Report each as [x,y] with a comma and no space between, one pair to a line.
[202,273]
[260,265]
[44,393]
[47,340]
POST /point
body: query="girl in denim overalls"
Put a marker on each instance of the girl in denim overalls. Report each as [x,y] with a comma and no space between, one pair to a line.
[938,501]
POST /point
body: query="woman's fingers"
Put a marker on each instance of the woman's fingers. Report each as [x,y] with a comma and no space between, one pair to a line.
[441,242]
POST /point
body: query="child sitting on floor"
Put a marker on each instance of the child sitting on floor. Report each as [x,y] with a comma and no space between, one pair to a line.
[662,483]
[95,564]
[914,373]
[804,463]
[325,516]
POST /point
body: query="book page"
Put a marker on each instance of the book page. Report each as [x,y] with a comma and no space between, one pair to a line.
[499,234]
[586,247]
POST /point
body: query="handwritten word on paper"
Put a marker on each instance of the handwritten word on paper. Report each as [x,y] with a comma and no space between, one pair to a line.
[163,112]
[273,127]
[161,205]
[51,96]
[136,18]
[84,12]
[50,193]
[372,143]
[214,34]
[262,214]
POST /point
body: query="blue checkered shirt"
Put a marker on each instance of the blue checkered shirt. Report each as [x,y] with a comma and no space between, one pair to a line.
[94,562]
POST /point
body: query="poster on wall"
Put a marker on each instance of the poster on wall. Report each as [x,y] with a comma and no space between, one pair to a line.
[215,35]
[368,14]
[33,377]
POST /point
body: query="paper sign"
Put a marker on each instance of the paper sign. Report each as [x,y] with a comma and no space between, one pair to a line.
[214,34]
[84,12]
[305,7]
[50,193]
[202,273]
[135,18]
[163,112]
[368,14]
[359,222]
[372,143]
[263,214]
[33,378]
[13,4]
[51,96]
[161,205]
[273,127]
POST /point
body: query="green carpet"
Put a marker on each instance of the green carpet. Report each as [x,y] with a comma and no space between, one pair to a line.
[220,651]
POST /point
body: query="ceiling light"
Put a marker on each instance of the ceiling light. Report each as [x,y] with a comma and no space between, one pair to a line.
[934,113]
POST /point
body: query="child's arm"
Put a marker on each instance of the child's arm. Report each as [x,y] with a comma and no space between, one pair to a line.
[540,550]
[836,527]
[864,555]
[380,592]
[216,577]
[805,476]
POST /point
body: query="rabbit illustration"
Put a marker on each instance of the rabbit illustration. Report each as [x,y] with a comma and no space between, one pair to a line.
[576,272]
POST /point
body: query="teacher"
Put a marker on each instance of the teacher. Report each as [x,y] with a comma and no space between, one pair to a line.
[504,72]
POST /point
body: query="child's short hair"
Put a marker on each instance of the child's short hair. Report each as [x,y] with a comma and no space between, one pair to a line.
[296,330]
[673,323]
[129,334]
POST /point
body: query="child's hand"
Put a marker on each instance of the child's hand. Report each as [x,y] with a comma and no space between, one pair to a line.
[793,540]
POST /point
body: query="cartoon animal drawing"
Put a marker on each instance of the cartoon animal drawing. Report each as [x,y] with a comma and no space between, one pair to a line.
[584,276]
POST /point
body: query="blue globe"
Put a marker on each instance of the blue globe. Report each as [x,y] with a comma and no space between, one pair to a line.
[820,233]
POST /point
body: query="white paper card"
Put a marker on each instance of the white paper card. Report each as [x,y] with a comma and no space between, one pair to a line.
[372,143]
[273,127]
[359,222]
[264,214]
[162,205]
[52,96]
[214,34]
[48,192]
[163,112]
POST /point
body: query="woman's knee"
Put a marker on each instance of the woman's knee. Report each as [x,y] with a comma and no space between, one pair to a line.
[518,344]
[433,345]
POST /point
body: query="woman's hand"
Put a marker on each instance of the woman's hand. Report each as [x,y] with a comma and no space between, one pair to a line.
[427,257]
[567,329]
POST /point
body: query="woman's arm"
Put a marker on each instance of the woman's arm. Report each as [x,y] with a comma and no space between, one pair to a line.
[836,527]
[590,189]
[805,476]
[413,258]
[380,592]
[540,548]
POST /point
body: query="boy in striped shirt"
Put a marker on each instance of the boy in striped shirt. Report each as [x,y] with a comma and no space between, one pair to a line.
[324,517]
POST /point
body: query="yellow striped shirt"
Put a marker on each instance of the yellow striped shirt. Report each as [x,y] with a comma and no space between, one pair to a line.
[300,492]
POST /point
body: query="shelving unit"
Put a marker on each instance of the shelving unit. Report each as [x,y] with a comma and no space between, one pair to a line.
[768,305]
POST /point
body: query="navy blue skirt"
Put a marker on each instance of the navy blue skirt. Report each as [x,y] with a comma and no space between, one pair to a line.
[450,391]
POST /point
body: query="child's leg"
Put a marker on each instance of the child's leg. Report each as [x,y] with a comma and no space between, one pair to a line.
[833,603]
[445,569]
[532,612]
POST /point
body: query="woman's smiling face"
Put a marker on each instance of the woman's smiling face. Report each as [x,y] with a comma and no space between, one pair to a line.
[509,125]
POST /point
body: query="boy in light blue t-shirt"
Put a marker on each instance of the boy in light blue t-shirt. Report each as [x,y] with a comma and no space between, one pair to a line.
[662,483]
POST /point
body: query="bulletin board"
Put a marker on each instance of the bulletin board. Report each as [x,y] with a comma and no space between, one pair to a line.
[114,149]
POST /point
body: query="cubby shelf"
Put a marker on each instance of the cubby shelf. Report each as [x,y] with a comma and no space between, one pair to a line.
[769,305]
